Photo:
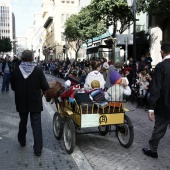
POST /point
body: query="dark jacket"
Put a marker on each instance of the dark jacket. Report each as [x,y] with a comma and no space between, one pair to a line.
[28,97]
[159,100]
[3,66]
[16,63]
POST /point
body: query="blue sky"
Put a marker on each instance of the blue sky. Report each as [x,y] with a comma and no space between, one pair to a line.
[24,14]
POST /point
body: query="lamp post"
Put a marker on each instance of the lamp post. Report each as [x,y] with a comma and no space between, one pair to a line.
[39,55]
[133,3]
[66,47]
[45,48]
[13,42]
[130,3]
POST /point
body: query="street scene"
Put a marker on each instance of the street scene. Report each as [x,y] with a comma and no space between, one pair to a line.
[84,85]
[99,152]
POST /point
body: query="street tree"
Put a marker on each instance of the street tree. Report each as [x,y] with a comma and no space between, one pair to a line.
[111,12]
[80,28]
[89,26]
[5,45]
[72,33]
[155,8]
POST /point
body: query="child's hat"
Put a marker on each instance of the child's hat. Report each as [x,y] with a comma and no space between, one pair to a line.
[95,84]
[115,77]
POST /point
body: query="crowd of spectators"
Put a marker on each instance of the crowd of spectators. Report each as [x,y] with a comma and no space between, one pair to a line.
[138,74]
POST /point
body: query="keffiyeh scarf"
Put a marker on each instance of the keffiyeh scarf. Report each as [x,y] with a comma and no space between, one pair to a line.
[26,68]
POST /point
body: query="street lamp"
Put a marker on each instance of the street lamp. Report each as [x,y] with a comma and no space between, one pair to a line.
[45,48]
[39,55]
[133,3]
[64,50]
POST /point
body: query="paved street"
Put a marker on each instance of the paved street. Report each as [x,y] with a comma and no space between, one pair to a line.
[13,157]
[100,152]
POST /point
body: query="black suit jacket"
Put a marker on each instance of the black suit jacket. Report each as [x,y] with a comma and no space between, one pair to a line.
[159,100]
[28,97]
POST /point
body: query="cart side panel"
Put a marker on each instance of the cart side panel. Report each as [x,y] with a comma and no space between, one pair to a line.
[110,119]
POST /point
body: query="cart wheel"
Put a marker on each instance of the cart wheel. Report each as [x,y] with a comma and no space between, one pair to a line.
[57,125]
[125,133]
[69,136]
[103,130]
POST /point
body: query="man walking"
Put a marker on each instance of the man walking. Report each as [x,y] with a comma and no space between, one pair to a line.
[27,81]
[6,72]
[159,107]
[16,62]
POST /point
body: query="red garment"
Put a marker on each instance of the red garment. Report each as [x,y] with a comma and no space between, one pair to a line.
[126,69]
[70,92]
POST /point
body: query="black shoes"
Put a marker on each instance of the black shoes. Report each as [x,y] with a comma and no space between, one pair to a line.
[22,144]
[37,153]
[150,153]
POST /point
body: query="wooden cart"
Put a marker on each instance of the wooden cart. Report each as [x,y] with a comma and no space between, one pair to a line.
[71,116]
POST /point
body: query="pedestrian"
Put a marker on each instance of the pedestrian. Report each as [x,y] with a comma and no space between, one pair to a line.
[16,62]
[94,75]
[27,81]
[158,105]
[148,60]
[1,61]
[6,72]
[110,69]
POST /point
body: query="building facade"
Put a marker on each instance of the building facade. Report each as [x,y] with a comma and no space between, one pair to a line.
[38,37]
[7,22]
[54,14]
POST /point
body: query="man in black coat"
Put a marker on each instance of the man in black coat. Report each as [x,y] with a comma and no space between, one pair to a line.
[27,80]
[159,100]
[16,62]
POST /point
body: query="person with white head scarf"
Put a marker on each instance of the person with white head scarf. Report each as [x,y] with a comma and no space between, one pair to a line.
[27,81]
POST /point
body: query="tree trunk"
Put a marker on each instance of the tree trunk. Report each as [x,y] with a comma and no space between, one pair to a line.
[76,55]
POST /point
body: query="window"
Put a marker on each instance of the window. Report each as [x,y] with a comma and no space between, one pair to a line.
[63,1]
[67,16]
[62,36]
[72,2]
[62,19]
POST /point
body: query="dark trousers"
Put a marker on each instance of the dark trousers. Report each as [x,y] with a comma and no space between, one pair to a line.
[35,118]
[159,131]
[5,83]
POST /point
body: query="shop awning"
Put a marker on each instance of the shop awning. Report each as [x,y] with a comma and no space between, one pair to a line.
[97,49]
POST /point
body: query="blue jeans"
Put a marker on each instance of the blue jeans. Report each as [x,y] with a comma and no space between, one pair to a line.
[6,80]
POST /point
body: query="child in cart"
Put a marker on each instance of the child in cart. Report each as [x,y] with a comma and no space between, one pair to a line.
[97,94]
[117,91]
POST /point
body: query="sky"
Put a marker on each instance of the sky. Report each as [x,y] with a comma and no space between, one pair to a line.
[24,11]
